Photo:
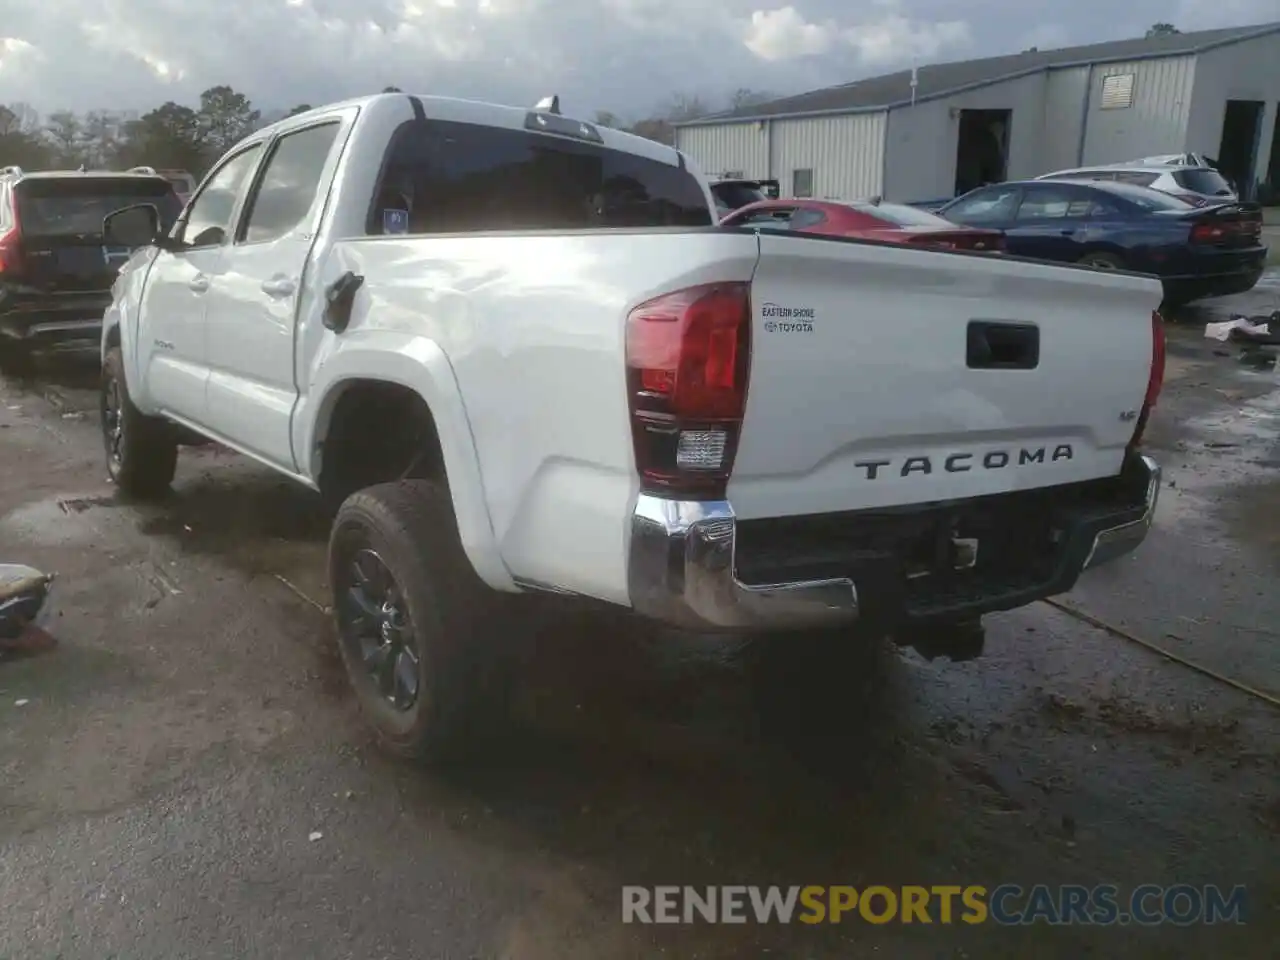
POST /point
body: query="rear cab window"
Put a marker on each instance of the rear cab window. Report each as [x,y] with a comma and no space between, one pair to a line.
[451,177]
[1206,181]
[76,205]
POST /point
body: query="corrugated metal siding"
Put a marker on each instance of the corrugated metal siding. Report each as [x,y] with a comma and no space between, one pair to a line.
[922,140]
[1157,120]
[727,147]
[846,154]
[1064,103]
[1242,71]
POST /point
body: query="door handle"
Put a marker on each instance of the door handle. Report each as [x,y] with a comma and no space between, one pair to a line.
[1002,345]
[278,287]
[199,283]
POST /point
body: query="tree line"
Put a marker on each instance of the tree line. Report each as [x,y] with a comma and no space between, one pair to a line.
[179,137]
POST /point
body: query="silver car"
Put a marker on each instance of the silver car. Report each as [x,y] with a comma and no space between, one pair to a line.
[1199,185]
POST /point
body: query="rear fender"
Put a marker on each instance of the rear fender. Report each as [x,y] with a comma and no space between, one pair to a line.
[419,365]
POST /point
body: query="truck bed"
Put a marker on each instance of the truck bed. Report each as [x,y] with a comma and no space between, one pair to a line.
[865,390]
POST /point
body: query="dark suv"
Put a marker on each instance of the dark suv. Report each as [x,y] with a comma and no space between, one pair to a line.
[55,271]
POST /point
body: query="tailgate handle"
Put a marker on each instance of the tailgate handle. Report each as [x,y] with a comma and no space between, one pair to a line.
[1002,345]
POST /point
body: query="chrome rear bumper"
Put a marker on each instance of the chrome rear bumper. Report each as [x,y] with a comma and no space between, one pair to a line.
[682,566]
[1112,542]
[682,573]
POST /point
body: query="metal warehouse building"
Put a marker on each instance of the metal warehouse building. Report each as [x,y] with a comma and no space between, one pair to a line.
[959,125]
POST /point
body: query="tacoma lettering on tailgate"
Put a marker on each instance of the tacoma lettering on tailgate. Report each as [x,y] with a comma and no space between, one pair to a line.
[964,462]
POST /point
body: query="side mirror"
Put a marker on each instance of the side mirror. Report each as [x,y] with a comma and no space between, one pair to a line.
[136,226]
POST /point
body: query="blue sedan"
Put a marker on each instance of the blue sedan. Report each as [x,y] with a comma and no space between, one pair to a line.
[1195,251]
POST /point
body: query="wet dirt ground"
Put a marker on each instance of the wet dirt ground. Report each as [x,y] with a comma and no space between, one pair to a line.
[190,732]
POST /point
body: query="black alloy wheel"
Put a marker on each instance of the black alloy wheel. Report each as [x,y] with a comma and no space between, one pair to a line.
[376,629]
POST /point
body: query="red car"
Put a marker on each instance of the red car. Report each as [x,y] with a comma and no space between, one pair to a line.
[866,220]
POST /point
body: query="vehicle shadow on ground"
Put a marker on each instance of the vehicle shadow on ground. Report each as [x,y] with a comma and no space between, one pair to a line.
[77,369]
[624,732]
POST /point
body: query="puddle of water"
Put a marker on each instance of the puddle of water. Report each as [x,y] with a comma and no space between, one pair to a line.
[54,522]
[1256,420]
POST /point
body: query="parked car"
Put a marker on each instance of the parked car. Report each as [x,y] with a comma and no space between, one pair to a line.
[1196,252]
[1179,160]
[732,193]
[414,305]
[1199,185]
[55,269]
[867,220]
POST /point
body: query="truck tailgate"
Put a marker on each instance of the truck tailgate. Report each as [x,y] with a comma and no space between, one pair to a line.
[884,376]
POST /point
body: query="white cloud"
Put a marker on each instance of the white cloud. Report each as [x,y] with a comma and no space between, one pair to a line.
[783,34]
[622,55]
[888,42]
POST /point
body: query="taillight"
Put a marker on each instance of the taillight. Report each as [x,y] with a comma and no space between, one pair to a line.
[1208,232]
[688,357]
[1155,379]
[10,252]
[10,257]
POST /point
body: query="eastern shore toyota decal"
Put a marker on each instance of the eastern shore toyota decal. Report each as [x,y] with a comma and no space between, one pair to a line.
[780,319]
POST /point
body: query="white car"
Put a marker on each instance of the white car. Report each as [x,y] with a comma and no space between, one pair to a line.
[516,354]
[1200,185]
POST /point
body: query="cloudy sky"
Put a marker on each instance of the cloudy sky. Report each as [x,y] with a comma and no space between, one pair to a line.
[622,55]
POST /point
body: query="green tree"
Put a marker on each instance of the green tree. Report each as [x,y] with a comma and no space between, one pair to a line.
[18,145]
[98,139]
[1162,30]
[66,136]
[604,118]
[300,108]
[170,136]
[225,117]
[392,90]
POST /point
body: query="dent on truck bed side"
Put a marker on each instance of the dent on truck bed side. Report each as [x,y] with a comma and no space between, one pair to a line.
[420,365]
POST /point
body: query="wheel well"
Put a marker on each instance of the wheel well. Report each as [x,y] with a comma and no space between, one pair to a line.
[113,337]
[1109,249]
[378,432]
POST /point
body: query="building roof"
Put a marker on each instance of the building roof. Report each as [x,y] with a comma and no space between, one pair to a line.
[943,79]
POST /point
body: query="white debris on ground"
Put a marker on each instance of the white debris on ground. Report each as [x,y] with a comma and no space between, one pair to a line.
[1222,330]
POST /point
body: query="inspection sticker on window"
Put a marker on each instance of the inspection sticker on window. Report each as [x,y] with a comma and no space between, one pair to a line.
[395,221]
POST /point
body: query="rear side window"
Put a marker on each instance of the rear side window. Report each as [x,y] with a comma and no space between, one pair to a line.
[290,181]
[1208,182]
[1045,202]
[76,206]
[900,215]
[1137,177]
[447,177]
[989,205]
[734,195]
[1149,200]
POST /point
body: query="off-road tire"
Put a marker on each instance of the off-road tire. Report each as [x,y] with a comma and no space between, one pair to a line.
[461,627]
[148,449]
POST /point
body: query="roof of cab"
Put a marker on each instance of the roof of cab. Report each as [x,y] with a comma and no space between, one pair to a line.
[484,111]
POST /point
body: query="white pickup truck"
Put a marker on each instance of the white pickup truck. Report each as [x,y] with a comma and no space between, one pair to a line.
[515,352]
